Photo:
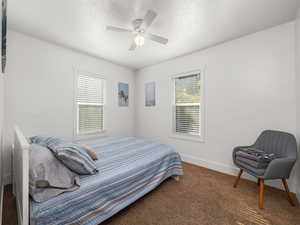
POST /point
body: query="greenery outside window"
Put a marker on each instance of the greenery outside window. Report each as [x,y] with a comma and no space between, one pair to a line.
[187,118]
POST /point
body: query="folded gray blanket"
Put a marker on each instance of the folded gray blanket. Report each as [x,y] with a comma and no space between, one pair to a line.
[48,177]
[255,155]
[254,164]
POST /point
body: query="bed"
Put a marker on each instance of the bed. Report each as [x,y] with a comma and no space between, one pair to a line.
[128,169]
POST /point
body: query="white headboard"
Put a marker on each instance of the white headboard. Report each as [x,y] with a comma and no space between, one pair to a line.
[21,176]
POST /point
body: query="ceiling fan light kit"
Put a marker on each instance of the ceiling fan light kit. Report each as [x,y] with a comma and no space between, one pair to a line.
[139,31]
[139,40]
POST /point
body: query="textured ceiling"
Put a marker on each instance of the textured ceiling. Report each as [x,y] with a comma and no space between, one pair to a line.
[190,25]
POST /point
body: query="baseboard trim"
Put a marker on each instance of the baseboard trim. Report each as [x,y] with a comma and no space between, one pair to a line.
[209,164]
[223,168]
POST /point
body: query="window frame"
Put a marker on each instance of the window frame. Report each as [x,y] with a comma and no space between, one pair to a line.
[78,134]
[178,135]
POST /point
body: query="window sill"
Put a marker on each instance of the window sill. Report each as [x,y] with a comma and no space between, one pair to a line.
[187,137]
[92,135]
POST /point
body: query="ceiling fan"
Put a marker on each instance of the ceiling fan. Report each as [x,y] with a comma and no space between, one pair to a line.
[140,27]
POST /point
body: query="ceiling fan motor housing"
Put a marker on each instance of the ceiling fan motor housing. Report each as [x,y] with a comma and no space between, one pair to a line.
[137,25]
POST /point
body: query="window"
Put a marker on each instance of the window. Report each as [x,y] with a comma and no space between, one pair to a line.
[187,105]
[90,104]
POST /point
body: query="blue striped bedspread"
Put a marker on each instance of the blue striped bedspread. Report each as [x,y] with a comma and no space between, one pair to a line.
[128,169]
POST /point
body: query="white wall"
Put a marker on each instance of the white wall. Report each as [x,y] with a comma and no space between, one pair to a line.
[1,117]
[1,132]
[297,26]
[40,90]
[1,125]
[249,87]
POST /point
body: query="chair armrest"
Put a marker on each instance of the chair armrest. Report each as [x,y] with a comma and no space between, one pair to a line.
[279,168]
[237,148]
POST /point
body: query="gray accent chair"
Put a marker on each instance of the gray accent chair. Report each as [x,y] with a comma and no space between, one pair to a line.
[284,146]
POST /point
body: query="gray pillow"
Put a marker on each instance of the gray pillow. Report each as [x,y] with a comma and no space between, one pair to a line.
[72,156]
[48,177]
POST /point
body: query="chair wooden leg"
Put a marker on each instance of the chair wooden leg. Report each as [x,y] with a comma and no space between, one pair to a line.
[289,195]
[237,179]
[261,193]
[258,181]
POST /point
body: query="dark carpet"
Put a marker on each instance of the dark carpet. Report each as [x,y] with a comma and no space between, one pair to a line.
[201,197]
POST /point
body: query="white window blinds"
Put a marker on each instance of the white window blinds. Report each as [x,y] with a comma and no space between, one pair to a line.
[90,104]
[187,105]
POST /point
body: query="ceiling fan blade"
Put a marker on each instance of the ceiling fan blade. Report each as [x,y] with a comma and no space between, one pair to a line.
[149,18]
[157,38]
[133,46]
[118,29]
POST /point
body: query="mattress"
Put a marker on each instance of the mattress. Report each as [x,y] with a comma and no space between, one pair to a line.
[128,169]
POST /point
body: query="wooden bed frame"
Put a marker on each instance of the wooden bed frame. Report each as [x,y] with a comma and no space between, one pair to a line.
[21,176]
